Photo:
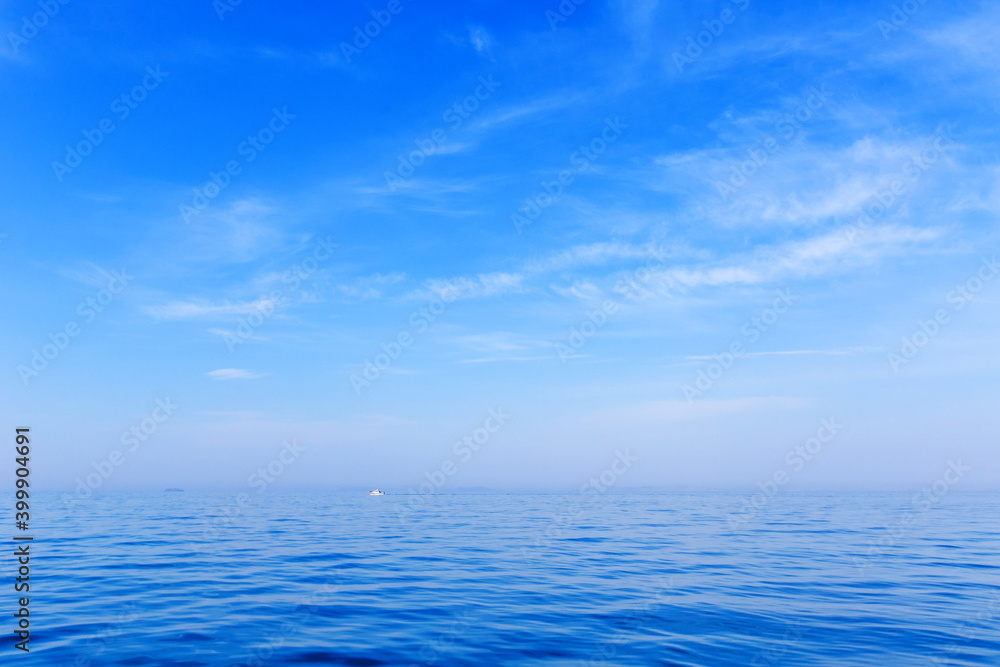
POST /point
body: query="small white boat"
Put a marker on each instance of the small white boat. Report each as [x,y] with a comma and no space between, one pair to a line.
[376,492]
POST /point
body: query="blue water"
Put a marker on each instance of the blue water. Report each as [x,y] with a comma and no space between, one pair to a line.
[630,579]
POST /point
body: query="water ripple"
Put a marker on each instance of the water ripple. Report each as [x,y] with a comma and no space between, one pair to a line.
[632,579]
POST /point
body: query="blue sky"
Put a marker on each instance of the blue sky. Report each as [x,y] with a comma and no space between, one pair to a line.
[808,184]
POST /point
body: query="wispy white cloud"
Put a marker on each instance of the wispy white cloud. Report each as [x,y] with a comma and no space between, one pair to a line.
[973,37]
[246,232]
[429,188]
[85,273]
[481,40]
[594,254]
[578,256]
[369,287]
[835,251]
[195,308]
[803,183]
[449,148]
[525,110]
[637,19]
[302,58]
[239,232]
[233,374]
[580,289]
[780,353]
[479,286]
[488,360]
[231,334]
[500,341]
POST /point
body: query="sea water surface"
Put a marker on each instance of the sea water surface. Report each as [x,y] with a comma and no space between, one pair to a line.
[512,579]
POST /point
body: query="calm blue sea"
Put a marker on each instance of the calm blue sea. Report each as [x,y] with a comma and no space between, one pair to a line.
[512,579]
